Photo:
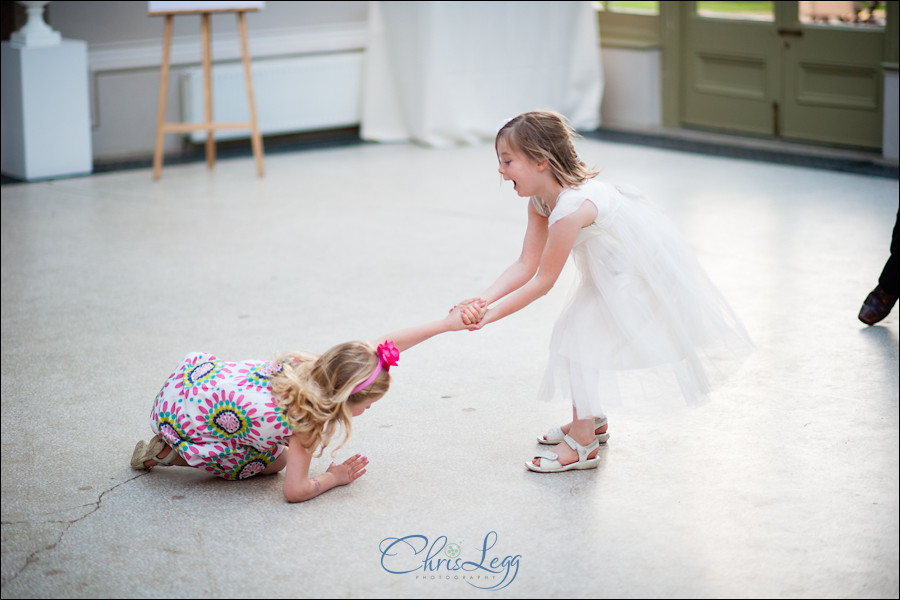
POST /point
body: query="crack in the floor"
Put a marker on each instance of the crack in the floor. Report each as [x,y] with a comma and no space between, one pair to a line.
[34,556]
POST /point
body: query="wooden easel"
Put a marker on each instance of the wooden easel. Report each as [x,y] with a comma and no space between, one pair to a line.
[208,125]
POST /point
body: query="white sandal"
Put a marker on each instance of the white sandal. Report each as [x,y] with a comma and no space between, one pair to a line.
[556,435]
[550,460]
[145,451]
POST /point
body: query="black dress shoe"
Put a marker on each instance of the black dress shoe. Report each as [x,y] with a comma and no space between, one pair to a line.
[877,306]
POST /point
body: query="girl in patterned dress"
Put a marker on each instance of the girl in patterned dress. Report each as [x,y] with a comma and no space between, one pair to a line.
[240,419]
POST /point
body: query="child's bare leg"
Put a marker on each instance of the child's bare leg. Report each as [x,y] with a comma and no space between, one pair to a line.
[568,426]
[179,462]
[580,430]
[565,428]
[277,465]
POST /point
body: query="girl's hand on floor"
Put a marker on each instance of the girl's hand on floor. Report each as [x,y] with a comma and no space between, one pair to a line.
[350,470]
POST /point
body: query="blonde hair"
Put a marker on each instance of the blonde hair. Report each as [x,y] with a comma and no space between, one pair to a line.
[315,392]
[544,134]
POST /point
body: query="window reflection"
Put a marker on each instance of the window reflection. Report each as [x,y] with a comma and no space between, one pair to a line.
[636,8]
[744,11]
[865,14]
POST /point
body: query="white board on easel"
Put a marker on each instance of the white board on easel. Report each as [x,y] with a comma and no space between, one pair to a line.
[167,7]
[204,9]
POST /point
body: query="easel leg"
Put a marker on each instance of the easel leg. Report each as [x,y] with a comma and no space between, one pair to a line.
[207,91]
[163,92]
[255,137]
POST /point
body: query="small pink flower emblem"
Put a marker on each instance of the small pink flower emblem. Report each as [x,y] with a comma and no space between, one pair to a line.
[388,355]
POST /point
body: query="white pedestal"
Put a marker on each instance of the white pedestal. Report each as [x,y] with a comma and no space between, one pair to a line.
[45,111]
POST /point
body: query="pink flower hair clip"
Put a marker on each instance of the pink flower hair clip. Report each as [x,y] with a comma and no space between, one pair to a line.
[388,356]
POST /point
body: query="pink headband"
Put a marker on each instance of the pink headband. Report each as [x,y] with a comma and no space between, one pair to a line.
[388,355]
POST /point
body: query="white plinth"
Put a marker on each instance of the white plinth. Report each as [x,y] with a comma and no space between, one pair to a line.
[46,124]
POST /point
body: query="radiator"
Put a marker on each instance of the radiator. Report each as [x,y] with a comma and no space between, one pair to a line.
[292,95]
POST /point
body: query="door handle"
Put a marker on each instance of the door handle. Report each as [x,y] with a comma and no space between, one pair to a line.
[790,32]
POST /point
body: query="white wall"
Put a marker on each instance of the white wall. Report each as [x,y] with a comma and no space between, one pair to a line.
[632,93]
[127,22]
[125,53]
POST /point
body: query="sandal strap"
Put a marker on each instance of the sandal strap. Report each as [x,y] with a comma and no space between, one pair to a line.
[583,451]
[150,451]
[169,458]
[548,456]
[554,434]
[157,445]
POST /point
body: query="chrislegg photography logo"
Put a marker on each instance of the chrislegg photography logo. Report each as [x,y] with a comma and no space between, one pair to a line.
[479,564]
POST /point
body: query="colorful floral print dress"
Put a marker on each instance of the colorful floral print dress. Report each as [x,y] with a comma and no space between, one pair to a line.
[220,417]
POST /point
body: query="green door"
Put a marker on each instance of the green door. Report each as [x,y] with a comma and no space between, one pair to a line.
[808,71]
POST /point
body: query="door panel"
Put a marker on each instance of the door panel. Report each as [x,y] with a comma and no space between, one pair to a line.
[835,86]
[737,76]
[832,88]
[730,73]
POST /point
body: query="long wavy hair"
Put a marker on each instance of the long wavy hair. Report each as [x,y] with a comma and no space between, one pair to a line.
[544,134]
[314,391]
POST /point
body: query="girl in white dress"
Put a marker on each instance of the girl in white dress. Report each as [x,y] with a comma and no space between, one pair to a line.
[643,313]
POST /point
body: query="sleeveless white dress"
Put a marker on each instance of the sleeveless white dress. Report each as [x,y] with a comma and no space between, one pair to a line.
[644,321]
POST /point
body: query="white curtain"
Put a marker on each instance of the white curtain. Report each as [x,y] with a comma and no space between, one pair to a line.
[447,73]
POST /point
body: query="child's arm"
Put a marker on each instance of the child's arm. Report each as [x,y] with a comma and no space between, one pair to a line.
[298,486]
[516,275]
[559,242]
[407,338]
[525,267]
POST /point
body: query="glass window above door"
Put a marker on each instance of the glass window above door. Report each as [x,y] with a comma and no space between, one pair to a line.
[624,6]
[842,14]
[741,11]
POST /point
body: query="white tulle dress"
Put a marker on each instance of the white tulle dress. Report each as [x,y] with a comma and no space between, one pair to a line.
[644,322]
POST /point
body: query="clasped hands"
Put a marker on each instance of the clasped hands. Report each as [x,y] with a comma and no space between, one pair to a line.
[471,312]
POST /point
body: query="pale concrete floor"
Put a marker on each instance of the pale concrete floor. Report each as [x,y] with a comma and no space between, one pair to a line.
[785,486]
